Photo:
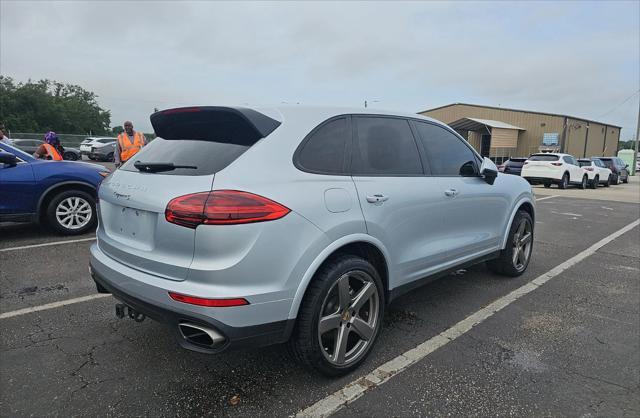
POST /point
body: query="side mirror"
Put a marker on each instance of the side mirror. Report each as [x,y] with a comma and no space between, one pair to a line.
[488,170]
[8,158]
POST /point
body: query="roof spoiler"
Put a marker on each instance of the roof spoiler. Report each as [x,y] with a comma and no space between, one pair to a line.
[236,125]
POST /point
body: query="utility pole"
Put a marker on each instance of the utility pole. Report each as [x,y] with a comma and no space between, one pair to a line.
[635,143]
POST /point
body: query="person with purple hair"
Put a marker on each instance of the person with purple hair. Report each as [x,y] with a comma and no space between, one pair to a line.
[51,149]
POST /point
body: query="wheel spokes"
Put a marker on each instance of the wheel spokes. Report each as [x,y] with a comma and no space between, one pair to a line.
[362,328]
[340,349]
[343,292]
[363,296]
[525,239]
[329,323]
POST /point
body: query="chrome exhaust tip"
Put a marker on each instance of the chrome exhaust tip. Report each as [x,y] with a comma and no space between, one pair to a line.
[200,335]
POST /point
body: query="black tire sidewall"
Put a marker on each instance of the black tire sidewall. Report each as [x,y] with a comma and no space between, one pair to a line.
[51,212]
[307,330]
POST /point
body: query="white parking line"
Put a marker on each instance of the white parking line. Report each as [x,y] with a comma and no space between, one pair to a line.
[52,305]
[46,244]
[356,389]
[546,197]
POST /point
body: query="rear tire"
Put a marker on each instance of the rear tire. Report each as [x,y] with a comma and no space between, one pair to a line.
[514,259]
[72,212]
[70,156]
[626,179]
[547,185]
[608,182]
[564,182]
[595,182]
[110,157]
[318,348]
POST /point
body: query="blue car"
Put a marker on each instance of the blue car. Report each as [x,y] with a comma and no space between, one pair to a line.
[61,194]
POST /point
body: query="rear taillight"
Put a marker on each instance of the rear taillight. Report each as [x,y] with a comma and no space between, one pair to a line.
[556,164]
[211,303]
[222,207]
[525,163]
[588,168]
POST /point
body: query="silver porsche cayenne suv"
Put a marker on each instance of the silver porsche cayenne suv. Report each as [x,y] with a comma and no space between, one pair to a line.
[247,226]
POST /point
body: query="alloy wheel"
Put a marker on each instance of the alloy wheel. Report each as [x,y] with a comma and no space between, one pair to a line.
[348,318]
[522,244]
[74,212]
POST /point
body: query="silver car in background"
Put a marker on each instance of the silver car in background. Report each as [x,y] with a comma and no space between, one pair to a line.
[241,226]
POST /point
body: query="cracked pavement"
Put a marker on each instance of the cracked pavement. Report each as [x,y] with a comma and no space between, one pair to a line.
[572,347]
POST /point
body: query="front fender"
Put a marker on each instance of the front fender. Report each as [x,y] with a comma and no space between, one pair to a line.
[324,255]
[523,198]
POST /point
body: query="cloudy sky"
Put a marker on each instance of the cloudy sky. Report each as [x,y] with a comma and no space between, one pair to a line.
[576,58]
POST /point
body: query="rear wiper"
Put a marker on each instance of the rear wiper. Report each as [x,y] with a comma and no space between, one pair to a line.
[156,167]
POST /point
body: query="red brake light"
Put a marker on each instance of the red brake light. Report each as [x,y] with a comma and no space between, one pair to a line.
[222,207]
[526,162]
[556,164]
[588,168]
[211,303]
[181,110]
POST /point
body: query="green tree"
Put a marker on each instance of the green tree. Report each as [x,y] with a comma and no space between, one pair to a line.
[49,105]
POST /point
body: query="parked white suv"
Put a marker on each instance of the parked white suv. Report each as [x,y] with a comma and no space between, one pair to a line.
[549,168]
[597,172]
[242,226]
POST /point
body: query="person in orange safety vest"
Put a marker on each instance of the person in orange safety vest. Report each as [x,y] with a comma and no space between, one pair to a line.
[129,143]
[51,148]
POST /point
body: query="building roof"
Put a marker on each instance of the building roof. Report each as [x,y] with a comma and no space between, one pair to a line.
[474,124]
[524,111]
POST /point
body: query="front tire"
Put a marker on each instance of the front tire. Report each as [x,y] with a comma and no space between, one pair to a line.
[626,179]
[72,212]
[514,259]
[70,156]
[583,183]
[340,316]
[608,182]
[110,157]
[564,182]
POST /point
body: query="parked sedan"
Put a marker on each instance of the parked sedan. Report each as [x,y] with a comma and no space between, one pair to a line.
[619,169]
[514,165]
[597,172]
[60,194]
[87,145]
[103,152]
[31,145]
[549,168]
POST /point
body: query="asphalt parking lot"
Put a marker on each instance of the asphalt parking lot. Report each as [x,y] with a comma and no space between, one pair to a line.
[569,347]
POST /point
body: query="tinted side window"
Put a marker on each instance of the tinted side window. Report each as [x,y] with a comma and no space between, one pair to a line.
[567,159]
[325,150]
[447,154]
[385,146]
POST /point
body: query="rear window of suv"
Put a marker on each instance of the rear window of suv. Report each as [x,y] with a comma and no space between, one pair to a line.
[208,156]
[544,157]
[584,163]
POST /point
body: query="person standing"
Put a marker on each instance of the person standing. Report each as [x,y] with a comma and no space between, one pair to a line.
[129,143]
[3,135]
[51,149]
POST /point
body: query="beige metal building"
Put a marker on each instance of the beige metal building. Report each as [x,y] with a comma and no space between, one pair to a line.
[500,133]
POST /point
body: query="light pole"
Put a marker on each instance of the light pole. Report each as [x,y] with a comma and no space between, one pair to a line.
[635,143]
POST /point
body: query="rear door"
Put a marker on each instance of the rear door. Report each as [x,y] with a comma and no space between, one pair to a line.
[401,207]
[133,228]
[475,212]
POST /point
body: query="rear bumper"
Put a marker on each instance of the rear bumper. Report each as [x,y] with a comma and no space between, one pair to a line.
[154,302]
[541,180]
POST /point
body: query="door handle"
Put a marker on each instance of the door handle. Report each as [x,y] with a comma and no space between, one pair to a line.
[377,198]
[451,192]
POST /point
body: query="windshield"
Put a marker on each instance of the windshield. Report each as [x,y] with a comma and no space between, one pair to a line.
[544,157]
[17,152]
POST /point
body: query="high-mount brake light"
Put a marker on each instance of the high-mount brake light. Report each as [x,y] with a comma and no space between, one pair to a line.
[181,110]
[222,207]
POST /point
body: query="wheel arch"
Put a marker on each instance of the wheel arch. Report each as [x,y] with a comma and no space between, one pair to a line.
[526,204]
[64,186]
[362,245]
